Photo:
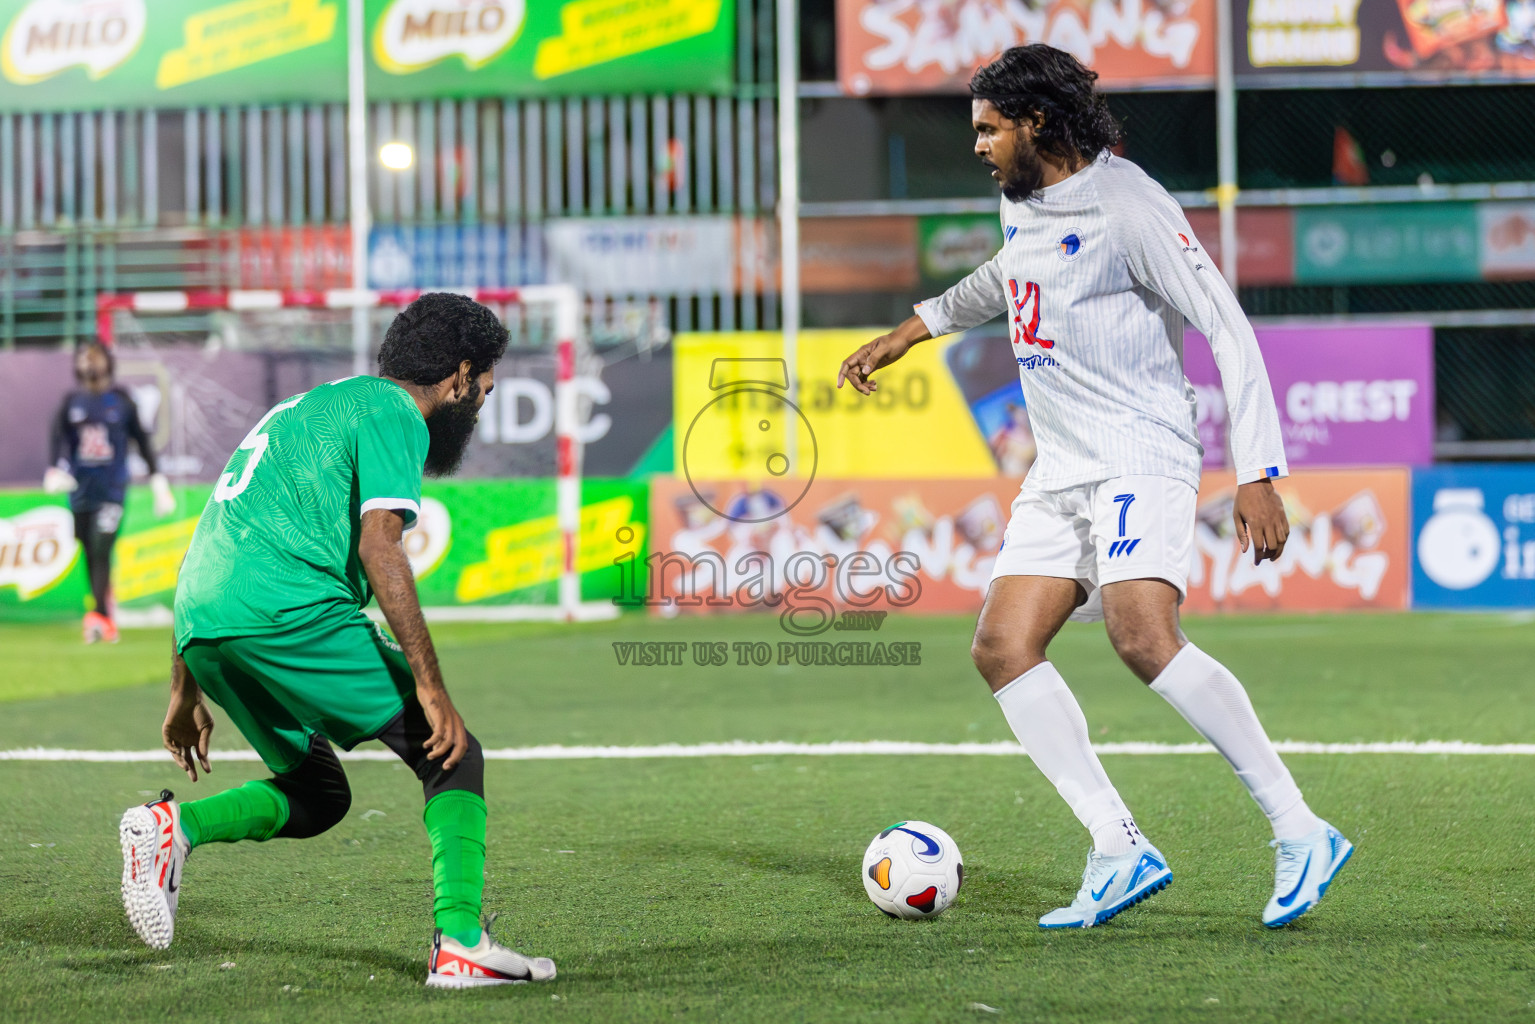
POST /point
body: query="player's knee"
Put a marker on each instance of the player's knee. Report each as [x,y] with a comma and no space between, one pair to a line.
[312,811]
[1145,651]
[317,792]
[1001,658]
[332,809]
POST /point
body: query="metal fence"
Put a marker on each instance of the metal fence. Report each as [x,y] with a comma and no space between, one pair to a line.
[243,195]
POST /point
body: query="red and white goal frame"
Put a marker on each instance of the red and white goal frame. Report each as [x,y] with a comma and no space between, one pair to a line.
[565,302]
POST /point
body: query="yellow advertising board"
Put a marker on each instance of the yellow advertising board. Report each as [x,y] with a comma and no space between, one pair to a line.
[733,417]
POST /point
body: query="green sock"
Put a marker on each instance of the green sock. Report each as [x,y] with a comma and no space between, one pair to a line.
[256,810]
[455,821]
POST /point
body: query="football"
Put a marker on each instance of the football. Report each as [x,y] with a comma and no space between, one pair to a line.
[913,870]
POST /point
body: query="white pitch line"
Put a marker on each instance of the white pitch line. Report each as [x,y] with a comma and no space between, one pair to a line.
[742,748]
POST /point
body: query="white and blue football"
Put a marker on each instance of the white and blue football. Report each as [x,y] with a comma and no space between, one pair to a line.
[912,870]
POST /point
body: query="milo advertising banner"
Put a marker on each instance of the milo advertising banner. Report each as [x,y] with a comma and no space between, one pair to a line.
[91,54]
[477,543]
[548,47]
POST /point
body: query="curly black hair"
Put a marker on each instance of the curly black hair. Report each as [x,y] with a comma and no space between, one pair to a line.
[430,337]
[1040,80]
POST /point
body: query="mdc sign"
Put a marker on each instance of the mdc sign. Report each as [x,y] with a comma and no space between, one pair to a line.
[1474,543]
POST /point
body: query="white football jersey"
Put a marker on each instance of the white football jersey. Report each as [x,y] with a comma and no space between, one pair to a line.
[1098,274]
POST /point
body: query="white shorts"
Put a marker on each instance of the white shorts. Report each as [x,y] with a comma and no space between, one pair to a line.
[1128,528]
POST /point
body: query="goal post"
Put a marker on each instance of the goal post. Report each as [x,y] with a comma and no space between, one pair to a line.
[564,303]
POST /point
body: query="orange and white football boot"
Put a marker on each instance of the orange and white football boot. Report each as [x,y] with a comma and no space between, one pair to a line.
[454,965]
[97,628]
[154,850]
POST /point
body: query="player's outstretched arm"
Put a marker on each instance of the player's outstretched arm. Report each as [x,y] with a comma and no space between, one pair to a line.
[394,585]
[882,351]
[188,722]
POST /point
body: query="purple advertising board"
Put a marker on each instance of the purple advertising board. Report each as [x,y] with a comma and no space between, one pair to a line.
[1347,396]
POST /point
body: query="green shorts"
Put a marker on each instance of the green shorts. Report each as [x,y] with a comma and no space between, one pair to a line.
[343,678]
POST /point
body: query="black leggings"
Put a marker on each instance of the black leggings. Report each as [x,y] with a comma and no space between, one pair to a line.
[97,544]
[317,790]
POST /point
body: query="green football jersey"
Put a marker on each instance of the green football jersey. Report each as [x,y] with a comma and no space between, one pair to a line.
[276,546]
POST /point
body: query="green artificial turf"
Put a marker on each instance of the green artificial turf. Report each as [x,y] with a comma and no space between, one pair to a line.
[727,888]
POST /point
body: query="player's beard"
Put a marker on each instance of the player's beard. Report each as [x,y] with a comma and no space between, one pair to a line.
[1025,175]
[449,430]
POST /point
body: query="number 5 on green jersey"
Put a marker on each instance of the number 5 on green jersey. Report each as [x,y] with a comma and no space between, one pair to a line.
[255,442]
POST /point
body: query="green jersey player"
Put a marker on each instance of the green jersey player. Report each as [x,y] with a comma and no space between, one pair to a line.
[303,528]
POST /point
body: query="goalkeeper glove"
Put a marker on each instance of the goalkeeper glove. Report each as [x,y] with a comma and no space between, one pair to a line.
[57,480]
[165,501]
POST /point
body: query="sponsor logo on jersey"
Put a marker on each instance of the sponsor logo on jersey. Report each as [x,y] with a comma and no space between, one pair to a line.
[1026,331]
[1036,361]
[1190,247]
[1070,245]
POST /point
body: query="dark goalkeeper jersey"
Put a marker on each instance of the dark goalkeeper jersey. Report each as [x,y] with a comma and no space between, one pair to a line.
[90,438]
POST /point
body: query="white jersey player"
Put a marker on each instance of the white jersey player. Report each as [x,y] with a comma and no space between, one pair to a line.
[1098,273]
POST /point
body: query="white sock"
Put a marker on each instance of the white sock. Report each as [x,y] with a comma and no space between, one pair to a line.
[1212,700]
[1048,722]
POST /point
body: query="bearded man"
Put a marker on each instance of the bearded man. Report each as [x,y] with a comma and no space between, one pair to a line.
[303,528]
[1099,271]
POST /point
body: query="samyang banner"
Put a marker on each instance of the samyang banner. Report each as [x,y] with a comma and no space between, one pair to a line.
[890,47]
[809,550]
[1284,44]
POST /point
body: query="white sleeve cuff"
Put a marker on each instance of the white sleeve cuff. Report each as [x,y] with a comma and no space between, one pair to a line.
[396,505]
[927,312]
[1264,473]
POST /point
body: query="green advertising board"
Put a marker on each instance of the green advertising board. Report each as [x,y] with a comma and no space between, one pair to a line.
[64,55]
[1392,243]
[951,246]
[479,542]
[67,55]
[548,47]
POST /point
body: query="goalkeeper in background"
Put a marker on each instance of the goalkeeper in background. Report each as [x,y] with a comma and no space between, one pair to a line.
[303,529]
[88,458]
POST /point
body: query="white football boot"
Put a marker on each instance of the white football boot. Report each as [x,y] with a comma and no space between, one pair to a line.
[1303,869]
[455,965]
[1112,884]
[154,850]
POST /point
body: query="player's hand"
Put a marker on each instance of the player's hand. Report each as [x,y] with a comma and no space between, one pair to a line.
[449,740]
[188,724]
[165,499]
[58,481]
[1261,520]
[882,351]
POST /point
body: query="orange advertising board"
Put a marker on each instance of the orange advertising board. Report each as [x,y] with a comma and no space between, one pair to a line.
[816,548]
[804,546]
[890,47]
[858,254]
[1348,547]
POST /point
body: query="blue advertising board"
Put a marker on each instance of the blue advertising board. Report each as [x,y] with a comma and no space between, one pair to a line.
[1473,537]
[455,255]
